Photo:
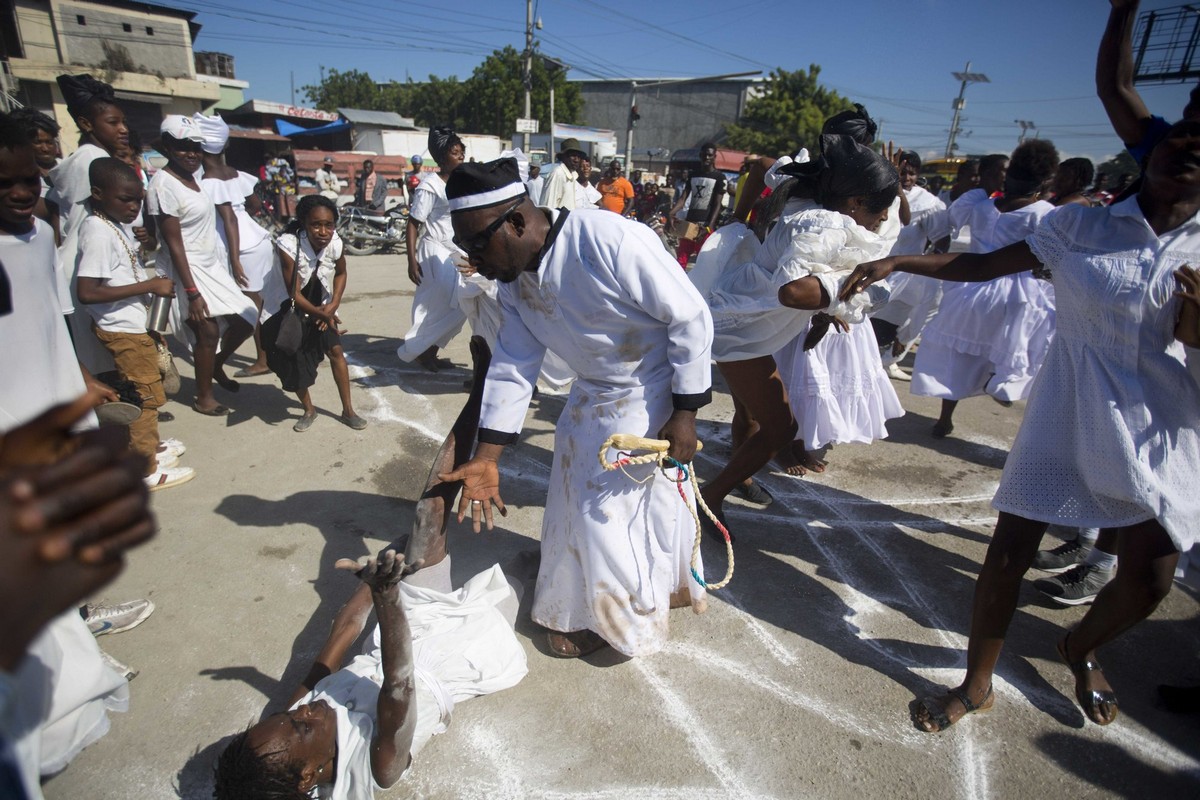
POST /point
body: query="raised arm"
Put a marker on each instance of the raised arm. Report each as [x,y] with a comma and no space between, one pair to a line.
[396,708]
[1114,74]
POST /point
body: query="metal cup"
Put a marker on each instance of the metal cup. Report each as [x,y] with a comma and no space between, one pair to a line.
[159,314]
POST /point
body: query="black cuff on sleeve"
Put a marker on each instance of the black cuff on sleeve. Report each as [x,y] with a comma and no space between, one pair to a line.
[688,402]
[489,436]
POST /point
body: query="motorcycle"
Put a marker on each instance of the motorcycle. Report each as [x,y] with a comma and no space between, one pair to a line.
[366,232]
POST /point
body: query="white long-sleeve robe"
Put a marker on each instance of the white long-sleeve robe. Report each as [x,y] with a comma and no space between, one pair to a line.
[615,306]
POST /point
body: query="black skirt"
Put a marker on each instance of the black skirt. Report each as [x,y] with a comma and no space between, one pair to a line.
[298,372]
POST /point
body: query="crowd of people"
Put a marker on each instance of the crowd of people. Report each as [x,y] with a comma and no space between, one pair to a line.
[1018,282]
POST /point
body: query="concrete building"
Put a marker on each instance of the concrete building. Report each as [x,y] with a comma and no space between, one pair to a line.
[672,117]
[218,68]
[144,50]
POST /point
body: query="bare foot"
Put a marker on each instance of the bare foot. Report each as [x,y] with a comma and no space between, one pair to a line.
[806,458]
[253,371]
[574,644]
[942,429]
[934,714]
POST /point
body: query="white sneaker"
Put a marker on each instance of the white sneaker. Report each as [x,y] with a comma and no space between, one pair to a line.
[168,477]
[894,372]
[172,446]
[166,460]
[104,618]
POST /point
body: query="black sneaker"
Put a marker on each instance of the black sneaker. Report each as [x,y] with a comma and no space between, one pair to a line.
[755,493]
[1063,557]
[1076,587]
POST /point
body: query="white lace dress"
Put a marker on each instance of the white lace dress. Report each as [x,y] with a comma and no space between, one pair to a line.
[1111,434]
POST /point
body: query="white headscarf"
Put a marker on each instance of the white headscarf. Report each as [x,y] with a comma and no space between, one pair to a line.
[215,131]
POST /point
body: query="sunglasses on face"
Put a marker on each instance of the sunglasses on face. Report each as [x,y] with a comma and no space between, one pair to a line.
[477,243]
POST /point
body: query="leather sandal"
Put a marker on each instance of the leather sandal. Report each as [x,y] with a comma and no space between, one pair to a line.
[574,644]
[1092,701]
[936,707]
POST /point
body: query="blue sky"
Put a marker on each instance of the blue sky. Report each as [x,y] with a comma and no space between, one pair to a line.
[894,57]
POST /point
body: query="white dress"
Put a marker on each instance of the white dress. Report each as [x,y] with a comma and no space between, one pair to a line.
[206,257]
[988,337]
[63,690]
[615,305]
[839,391]
[436,317]
[463,647]
[915,298]
[748,319]
[1111,434]
[255,249]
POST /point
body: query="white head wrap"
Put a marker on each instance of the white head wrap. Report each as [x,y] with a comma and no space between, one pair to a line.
[772,179]
[522,162]
[215,131]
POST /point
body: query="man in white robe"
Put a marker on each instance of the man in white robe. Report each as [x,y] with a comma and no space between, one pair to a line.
[601,291]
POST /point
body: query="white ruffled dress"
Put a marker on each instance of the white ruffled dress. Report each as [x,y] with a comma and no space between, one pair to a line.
[988,337]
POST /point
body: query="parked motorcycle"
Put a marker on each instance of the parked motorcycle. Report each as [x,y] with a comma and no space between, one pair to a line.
[366,232]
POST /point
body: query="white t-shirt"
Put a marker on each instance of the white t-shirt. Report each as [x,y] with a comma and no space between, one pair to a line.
[71,185]
[106,252]
[431,208]
[586,196]
[37,360]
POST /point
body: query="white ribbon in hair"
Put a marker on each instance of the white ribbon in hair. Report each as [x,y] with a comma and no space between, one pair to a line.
[215,131]
[522,162]
[772,179]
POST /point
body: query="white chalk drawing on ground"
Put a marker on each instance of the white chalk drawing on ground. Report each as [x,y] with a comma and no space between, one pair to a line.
[384,383]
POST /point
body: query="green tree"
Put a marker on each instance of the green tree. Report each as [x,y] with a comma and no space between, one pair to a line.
[350,89]
[787,115]
[495,96]
[1120,164]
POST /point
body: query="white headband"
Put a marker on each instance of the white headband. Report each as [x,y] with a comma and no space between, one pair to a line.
[489,198]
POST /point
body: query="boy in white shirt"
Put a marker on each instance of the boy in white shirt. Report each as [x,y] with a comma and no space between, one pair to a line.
[112,283]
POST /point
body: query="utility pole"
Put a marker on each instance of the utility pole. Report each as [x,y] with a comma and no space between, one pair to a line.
[966,77]
[527,77]
[1026,126]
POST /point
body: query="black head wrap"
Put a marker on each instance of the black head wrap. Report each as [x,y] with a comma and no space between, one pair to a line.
[484,184]
[844,168]
[81,92]
[440,142]
[857,124]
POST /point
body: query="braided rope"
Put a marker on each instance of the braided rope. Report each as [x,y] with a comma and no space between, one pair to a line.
[685,473]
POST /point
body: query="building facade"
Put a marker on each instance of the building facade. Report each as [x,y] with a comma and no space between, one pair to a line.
[673,116]
[144,50]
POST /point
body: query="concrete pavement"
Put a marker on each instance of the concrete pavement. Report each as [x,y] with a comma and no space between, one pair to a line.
[851,596]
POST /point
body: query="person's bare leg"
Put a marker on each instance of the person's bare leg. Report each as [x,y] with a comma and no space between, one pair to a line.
[237,330]
[945,422]
[341,376]
[1009,556]
[742,428]
[757,385]
[204,353]
[1146,560]
[259,367]
[305,398]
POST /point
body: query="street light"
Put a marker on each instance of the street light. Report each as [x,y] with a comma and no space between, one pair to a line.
[965,77]
[552,66]
[1026,126]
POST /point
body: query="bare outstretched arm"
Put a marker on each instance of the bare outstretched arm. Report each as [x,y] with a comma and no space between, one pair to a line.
[961,267]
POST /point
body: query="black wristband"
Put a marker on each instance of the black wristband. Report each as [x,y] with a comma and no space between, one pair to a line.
[691,402]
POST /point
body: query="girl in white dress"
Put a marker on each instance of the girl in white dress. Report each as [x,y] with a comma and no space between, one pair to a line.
[207,299]
[252,255]
[826,218]
[436,317]
[992,337]
[1111,435]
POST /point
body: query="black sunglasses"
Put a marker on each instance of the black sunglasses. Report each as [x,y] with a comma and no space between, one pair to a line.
[479,242]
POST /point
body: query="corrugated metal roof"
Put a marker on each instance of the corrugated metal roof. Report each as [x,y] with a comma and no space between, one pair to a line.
[384,119]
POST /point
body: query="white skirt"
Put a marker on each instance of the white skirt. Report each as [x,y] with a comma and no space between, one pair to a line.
[987,337]
[220,291]
[613,550]
[258,263]
[838,390]
[436,317]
